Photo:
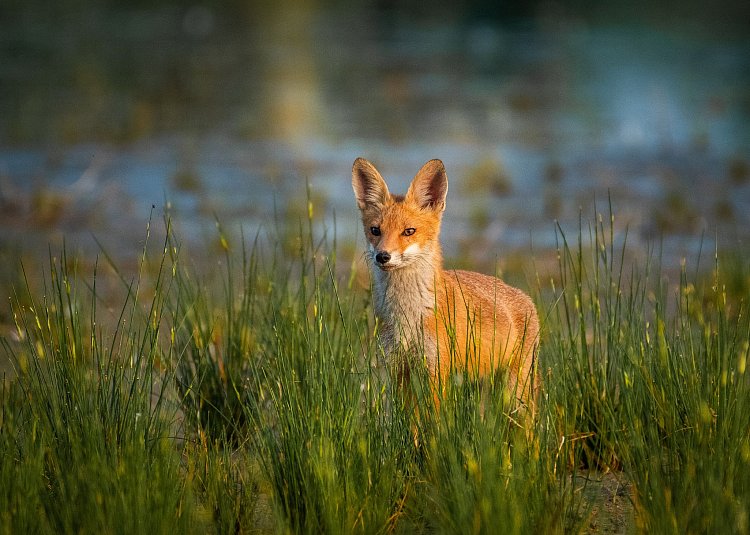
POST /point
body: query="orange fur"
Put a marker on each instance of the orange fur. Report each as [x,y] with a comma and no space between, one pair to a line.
[463,321]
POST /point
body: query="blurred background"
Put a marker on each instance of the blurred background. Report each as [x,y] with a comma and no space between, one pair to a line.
[542,111]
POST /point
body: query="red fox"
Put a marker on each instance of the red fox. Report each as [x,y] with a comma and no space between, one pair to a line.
[463,321]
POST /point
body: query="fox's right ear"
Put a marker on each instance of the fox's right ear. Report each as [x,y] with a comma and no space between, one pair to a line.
[369,187]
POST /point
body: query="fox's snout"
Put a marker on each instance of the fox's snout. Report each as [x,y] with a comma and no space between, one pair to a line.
[386,260]
[382,257]
[389,259]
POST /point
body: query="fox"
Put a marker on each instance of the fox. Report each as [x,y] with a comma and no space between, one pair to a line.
[460,321]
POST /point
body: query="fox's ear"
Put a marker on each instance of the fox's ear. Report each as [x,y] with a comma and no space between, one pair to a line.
[429,187]
[369,187]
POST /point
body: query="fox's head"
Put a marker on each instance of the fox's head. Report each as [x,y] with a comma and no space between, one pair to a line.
[401,229]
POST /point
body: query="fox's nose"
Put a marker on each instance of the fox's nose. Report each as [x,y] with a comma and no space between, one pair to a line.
[382,258]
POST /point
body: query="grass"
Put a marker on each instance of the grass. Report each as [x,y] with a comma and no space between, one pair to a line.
[256,400]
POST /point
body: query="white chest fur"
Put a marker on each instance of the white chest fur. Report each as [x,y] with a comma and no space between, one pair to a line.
[403,298]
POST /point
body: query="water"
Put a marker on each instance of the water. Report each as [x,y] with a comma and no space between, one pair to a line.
[111,114]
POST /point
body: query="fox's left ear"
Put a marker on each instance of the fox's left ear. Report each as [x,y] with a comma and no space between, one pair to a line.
[429,187]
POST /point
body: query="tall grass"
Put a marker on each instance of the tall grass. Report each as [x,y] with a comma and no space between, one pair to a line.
[85,435]
[661,395]
[295,357]
[256,398]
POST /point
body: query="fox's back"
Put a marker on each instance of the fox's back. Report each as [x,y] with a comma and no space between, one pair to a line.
[492,293]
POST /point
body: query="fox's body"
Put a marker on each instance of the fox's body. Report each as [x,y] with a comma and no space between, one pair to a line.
[463,321]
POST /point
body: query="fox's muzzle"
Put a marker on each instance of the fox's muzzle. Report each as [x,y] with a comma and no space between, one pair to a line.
[382,258]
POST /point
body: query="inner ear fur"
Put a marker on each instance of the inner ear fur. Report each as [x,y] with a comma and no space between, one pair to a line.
[429,187]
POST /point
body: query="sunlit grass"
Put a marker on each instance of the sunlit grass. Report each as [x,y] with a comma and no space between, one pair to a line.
[255,398]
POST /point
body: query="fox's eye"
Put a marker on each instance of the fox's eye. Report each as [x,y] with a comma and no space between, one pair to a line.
[375,231]
[409,231]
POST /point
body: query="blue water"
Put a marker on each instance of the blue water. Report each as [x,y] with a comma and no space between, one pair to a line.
[568,116]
